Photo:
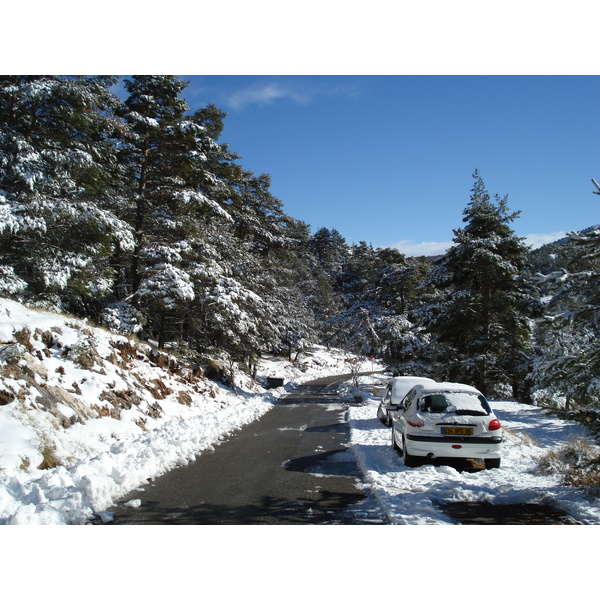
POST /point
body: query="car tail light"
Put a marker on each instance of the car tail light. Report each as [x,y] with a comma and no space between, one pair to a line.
[414,423]
[494,424]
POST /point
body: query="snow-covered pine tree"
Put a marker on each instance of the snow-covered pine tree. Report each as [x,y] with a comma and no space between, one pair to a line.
[404,343]
[326,255]
[378,295]
[329,246]
[353,326]
[481,315]
[166,161]
[57,227]
[293,292]
[566,371]
[265,255]
[399,280]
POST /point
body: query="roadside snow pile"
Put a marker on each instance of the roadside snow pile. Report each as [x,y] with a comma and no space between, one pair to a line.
[86,416]
[413,495]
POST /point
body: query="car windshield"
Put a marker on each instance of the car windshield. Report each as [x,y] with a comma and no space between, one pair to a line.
[460,403]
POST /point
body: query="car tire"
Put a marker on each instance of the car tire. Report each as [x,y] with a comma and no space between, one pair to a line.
[395,445]
[381,416]
[409,459]
[492,463]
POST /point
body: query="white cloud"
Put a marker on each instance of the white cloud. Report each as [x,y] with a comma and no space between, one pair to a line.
[536,240]
[265,94]
[298,90]
[411,248]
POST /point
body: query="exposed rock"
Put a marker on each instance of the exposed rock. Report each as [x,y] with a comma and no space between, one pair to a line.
[159,389]
[50,338]
[154,410]
[184,398]
[23,337]
[120,400]
[12,353]
[35,366]
[6,397]
[51,395]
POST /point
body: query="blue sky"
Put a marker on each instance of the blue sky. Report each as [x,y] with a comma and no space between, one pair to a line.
[389,159]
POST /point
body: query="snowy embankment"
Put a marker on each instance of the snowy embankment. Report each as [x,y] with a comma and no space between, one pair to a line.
[413,495]
[87,416]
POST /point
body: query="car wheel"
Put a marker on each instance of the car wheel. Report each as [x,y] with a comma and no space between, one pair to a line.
[381,416]
[409,459]
[492,463]
[395,445]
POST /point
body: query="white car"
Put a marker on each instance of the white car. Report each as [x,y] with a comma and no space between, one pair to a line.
[446,420]
[396,389]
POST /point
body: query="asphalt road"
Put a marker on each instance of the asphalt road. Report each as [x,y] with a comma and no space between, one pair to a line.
[292,466]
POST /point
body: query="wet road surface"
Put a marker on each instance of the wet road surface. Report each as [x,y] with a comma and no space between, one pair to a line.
[292,466]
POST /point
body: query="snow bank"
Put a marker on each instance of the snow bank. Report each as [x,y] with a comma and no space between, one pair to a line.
[87,416]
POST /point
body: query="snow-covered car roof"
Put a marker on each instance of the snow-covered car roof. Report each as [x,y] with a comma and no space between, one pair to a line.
[445,386]
[404,383]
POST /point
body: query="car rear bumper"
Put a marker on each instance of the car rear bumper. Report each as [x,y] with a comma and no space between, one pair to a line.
[454,446]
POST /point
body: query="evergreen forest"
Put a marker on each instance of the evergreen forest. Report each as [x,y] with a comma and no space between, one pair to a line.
[133,214]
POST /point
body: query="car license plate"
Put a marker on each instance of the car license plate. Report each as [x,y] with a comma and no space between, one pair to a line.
[457,430]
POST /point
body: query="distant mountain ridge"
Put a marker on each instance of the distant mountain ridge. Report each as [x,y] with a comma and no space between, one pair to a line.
[555,255]
[567,239]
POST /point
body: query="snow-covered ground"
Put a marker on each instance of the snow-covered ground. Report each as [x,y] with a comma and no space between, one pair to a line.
[123,417]
[110,413]
[411,495]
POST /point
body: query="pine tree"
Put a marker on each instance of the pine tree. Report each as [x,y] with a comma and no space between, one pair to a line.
[57,162]
[377,293]
[482,313]
[404,343]
[330,249]
[327,254]
[567,366]
[300,291]
[166,162]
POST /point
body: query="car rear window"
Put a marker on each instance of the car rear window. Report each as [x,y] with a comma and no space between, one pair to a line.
[460,403]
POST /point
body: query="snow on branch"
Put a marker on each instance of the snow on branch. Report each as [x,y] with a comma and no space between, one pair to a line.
[194,197]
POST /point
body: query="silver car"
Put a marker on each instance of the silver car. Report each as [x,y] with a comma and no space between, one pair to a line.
[446,420]
[397,388]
